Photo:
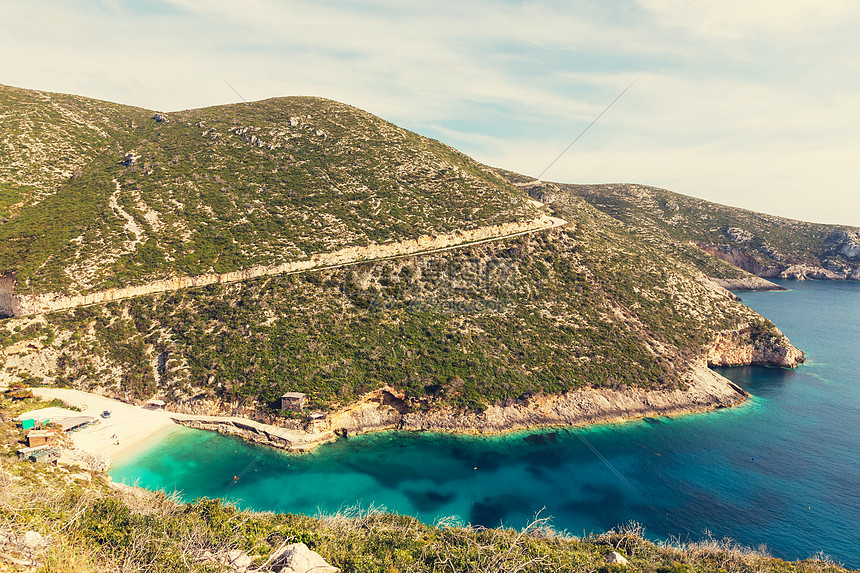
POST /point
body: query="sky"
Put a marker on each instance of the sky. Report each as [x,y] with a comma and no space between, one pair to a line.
[750,103]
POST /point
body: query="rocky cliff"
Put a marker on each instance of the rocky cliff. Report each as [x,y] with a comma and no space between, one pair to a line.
[391,409]
[388,409]
[746,346]
[705,390]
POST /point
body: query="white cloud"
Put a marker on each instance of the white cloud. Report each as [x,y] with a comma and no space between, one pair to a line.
[736,18]
[510,83]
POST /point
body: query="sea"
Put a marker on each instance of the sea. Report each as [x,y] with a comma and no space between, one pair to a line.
[781,470]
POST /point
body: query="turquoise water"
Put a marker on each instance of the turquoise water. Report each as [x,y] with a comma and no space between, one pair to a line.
[783,469]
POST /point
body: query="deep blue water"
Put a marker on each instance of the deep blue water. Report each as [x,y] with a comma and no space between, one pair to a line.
[782,470]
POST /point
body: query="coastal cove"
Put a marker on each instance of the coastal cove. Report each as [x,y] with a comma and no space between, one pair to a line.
[780,469]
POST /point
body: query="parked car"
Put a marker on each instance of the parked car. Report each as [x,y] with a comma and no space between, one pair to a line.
[106,414]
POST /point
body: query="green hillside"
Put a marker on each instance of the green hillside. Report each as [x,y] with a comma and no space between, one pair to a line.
[230,187]
[764,245]
[46,138]
[584,305]
[223,188]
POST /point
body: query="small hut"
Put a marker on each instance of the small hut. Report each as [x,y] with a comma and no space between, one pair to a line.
[44,456]
[293,401]
[25,453]
[41,437]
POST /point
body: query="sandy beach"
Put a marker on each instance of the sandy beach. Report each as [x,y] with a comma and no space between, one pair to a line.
[130,424]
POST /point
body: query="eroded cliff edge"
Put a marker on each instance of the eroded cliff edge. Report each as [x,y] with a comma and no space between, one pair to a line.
[389,409]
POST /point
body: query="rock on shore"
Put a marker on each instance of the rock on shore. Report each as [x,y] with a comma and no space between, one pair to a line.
[751,283]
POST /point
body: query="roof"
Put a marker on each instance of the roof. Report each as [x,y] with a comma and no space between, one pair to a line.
[157,402]
[46,452]
[40,433]
[27,451]
[73,422]
[294,395]
[46,414]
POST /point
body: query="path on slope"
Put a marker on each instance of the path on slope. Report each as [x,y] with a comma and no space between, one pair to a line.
[22,305]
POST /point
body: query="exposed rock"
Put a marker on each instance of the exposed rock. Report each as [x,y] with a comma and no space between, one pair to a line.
[237,559]
[734,256]
[616,558]
[738,235]
[86,460]
[806,272]
[737,348]
[384,410]
[298,558]
[705,390]
[32,540]
[159,117]
[750,283]
[129,159]
[846,243]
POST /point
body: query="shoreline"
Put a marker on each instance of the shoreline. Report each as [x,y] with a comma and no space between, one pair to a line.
[136,427]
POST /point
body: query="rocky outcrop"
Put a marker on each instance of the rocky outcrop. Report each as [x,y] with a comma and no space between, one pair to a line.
[12,304]
[298,558]
[844,245]
[256,432]
[744,347]
[807,272]
[385,410]
[87,460]
[7,287]
[750,283]
[737,257]
[616,558]
[705,390]
[22,549]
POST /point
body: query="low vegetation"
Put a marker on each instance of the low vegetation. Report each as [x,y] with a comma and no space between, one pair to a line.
[588,304]
[141,196]
[758,243]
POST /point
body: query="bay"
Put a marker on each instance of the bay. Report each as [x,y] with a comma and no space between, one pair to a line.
[783,469]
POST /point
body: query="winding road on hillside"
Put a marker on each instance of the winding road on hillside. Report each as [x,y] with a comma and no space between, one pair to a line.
[23,305]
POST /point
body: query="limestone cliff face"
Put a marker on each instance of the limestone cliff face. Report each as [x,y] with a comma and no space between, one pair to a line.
[833,269]
[748,283]
[738,258]
[742,348]
[807,272]
[12,304]
[705,390]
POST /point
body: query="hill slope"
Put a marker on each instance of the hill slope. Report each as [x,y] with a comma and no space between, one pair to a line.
[226,188]
[584,305]
[501,324]
[763,245]
[46,138]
